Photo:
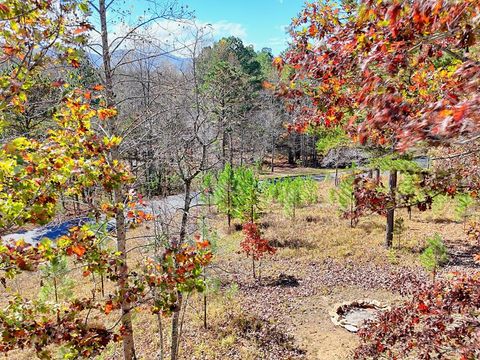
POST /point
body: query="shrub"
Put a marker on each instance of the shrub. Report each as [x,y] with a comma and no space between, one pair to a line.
[439,322]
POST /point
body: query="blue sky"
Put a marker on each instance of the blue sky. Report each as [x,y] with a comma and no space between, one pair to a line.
[257,22]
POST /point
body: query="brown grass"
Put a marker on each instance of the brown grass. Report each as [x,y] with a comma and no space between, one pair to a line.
[286,320]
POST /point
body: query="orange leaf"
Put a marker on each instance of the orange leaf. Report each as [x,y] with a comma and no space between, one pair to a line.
[106,113]
[79,250]
[108,308]
[9,50]
[81,29]
[98,87]
[203,244]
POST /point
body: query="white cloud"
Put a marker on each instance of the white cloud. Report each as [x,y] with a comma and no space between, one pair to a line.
[169,34]
[225,28]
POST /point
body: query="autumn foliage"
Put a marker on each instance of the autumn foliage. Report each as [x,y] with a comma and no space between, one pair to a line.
[253,245]
[390,72]
[440,322]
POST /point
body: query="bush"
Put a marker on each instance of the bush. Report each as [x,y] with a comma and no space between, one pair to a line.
[439,322]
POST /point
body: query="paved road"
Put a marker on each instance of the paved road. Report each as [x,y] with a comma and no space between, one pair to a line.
[53,231]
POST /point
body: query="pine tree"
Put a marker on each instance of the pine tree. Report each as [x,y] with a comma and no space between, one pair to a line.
[434,255]
[225,191]
[247,195]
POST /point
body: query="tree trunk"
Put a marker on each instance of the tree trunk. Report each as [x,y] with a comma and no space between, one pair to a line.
[160,333]
[377,176]
[128,339]
[253,268]
[176,329]
[204,301]
[241,148]
[273,154]
[291,157]
[122,283]
[181,240]
[391,210]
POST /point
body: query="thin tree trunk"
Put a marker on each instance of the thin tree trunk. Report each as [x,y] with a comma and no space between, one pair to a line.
[160,333]
[204,301]
[181,239]
[253,268]
[391,210]
[128,339]
[273,154]
[241,148]
[377,176]
[176,329]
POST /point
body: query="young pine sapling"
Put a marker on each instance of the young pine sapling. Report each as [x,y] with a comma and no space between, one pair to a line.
[435,255]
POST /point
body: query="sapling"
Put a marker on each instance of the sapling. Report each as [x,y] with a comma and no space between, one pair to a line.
[207,235]
[247,195]
[225,192]
[464,203]
[254,246]
[55,284]
[295,193]
[206,194]
[435,255]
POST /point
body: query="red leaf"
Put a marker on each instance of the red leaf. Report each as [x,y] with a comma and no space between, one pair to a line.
[422,307]
[58,83]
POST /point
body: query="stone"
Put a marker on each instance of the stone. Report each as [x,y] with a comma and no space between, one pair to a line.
[344,157]
[352,315]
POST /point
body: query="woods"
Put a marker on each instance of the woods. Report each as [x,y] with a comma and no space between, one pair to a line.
[163,196]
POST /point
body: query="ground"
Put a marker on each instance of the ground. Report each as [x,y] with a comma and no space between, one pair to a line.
[320,262]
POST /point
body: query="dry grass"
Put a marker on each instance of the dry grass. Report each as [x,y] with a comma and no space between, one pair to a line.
[238,307]
[285,171]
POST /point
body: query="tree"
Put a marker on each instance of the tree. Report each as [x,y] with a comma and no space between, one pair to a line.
[254,246]
[247,196]
[295,193]
[434,255]
[392,74]
[231,78]
[224,193]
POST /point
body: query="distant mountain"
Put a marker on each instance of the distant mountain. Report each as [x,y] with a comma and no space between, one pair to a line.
[130,56]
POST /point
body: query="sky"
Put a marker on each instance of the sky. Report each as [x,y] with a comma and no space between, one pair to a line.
[257,22]
[260,23]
